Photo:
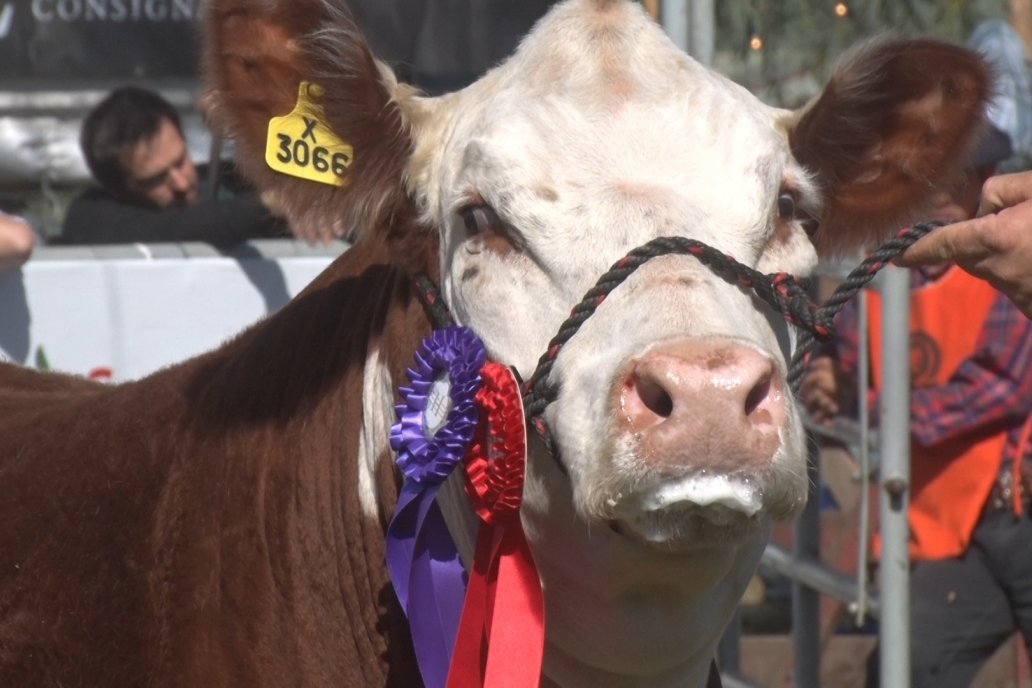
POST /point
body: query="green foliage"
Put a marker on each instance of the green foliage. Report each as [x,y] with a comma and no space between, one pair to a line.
[803,38]
[42,363]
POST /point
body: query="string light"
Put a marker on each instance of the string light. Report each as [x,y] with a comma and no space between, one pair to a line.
[756,43]
[841,9]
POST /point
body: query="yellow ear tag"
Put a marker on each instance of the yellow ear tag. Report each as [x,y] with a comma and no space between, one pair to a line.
[301,145]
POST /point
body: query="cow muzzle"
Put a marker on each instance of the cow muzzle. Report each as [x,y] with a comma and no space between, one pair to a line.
[718,404]
[704,426]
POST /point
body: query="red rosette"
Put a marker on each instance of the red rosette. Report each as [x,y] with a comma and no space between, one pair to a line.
[497,458]
[500,643]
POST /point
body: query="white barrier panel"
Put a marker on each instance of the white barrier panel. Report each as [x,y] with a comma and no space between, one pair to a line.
[122,312]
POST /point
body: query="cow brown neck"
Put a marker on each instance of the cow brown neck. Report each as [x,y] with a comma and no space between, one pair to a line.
[230,484]
[298,378]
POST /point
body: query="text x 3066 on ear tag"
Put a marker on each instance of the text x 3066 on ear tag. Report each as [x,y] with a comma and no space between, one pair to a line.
[302,145]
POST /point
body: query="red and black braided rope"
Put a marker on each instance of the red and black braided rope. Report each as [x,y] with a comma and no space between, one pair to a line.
[787,294]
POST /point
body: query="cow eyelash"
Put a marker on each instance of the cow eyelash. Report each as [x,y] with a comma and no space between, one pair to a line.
[482,222]
[789,211]
[480,219]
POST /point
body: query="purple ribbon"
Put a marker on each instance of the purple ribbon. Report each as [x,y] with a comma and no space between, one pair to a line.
[436,423]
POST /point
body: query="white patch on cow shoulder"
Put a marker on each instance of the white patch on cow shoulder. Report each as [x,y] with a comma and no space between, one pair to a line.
[377,418]
[378,415]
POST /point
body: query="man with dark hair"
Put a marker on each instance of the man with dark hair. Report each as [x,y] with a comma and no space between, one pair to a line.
[134,147]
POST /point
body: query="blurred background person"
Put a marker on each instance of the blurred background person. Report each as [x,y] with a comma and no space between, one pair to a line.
[148,185]
[995,243]
[970,407]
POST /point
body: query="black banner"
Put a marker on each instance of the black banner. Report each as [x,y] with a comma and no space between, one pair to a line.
[442,45]
[43,40]
[46,40]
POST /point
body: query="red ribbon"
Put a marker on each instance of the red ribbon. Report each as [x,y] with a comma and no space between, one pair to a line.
[501,635]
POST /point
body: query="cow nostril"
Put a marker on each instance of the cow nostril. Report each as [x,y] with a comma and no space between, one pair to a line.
[759,392]
[653,396]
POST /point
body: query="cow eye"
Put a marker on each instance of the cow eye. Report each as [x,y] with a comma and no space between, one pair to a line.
[786,206]
[487,232]
[481,219]
[789,211]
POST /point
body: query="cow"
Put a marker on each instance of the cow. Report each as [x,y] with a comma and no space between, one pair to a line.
[222,521]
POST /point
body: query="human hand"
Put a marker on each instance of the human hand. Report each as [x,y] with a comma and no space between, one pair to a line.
[819,390]
[16,241]
[995,246]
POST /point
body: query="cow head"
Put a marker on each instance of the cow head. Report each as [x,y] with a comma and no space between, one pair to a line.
[677,435]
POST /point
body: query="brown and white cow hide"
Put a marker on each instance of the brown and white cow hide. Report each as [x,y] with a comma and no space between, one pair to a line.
[221,522]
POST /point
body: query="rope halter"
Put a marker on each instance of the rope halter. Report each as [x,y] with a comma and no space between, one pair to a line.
[785,293]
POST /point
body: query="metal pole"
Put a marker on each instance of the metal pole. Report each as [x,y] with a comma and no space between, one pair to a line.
[823,578]
[674,17]
[691,25]
[863,374]
[702,31]
[806,602]
[894,643]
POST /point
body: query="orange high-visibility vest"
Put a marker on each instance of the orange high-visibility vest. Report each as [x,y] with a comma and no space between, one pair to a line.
[951,481]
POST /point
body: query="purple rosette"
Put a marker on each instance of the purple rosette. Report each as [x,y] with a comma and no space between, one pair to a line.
[438,417]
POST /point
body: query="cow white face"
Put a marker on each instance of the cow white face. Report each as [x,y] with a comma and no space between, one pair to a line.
[678,438]
[673,419]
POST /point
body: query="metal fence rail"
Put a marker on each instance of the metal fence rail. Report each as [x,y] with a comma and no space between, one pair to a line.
[885,458]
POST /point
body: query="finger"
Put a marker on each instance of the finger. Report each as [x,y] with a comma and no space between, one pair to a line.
[338,228]
[307,233]
[828,404]
[813,384]
[1003,191]
[822,413]
[821,400]
[820,363]
[961,242]
[327,232]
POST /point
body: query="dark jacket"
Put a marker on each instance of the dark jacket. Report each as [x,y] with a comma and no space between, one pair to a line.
[96,217]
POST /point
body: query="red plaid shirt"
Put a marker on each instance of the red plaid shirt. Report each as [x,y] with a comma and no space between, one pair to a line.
[992,388]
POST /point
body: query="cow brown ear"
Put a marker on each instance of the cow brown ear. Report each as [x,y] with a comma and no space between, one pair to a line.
[896,121]
[256,57]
